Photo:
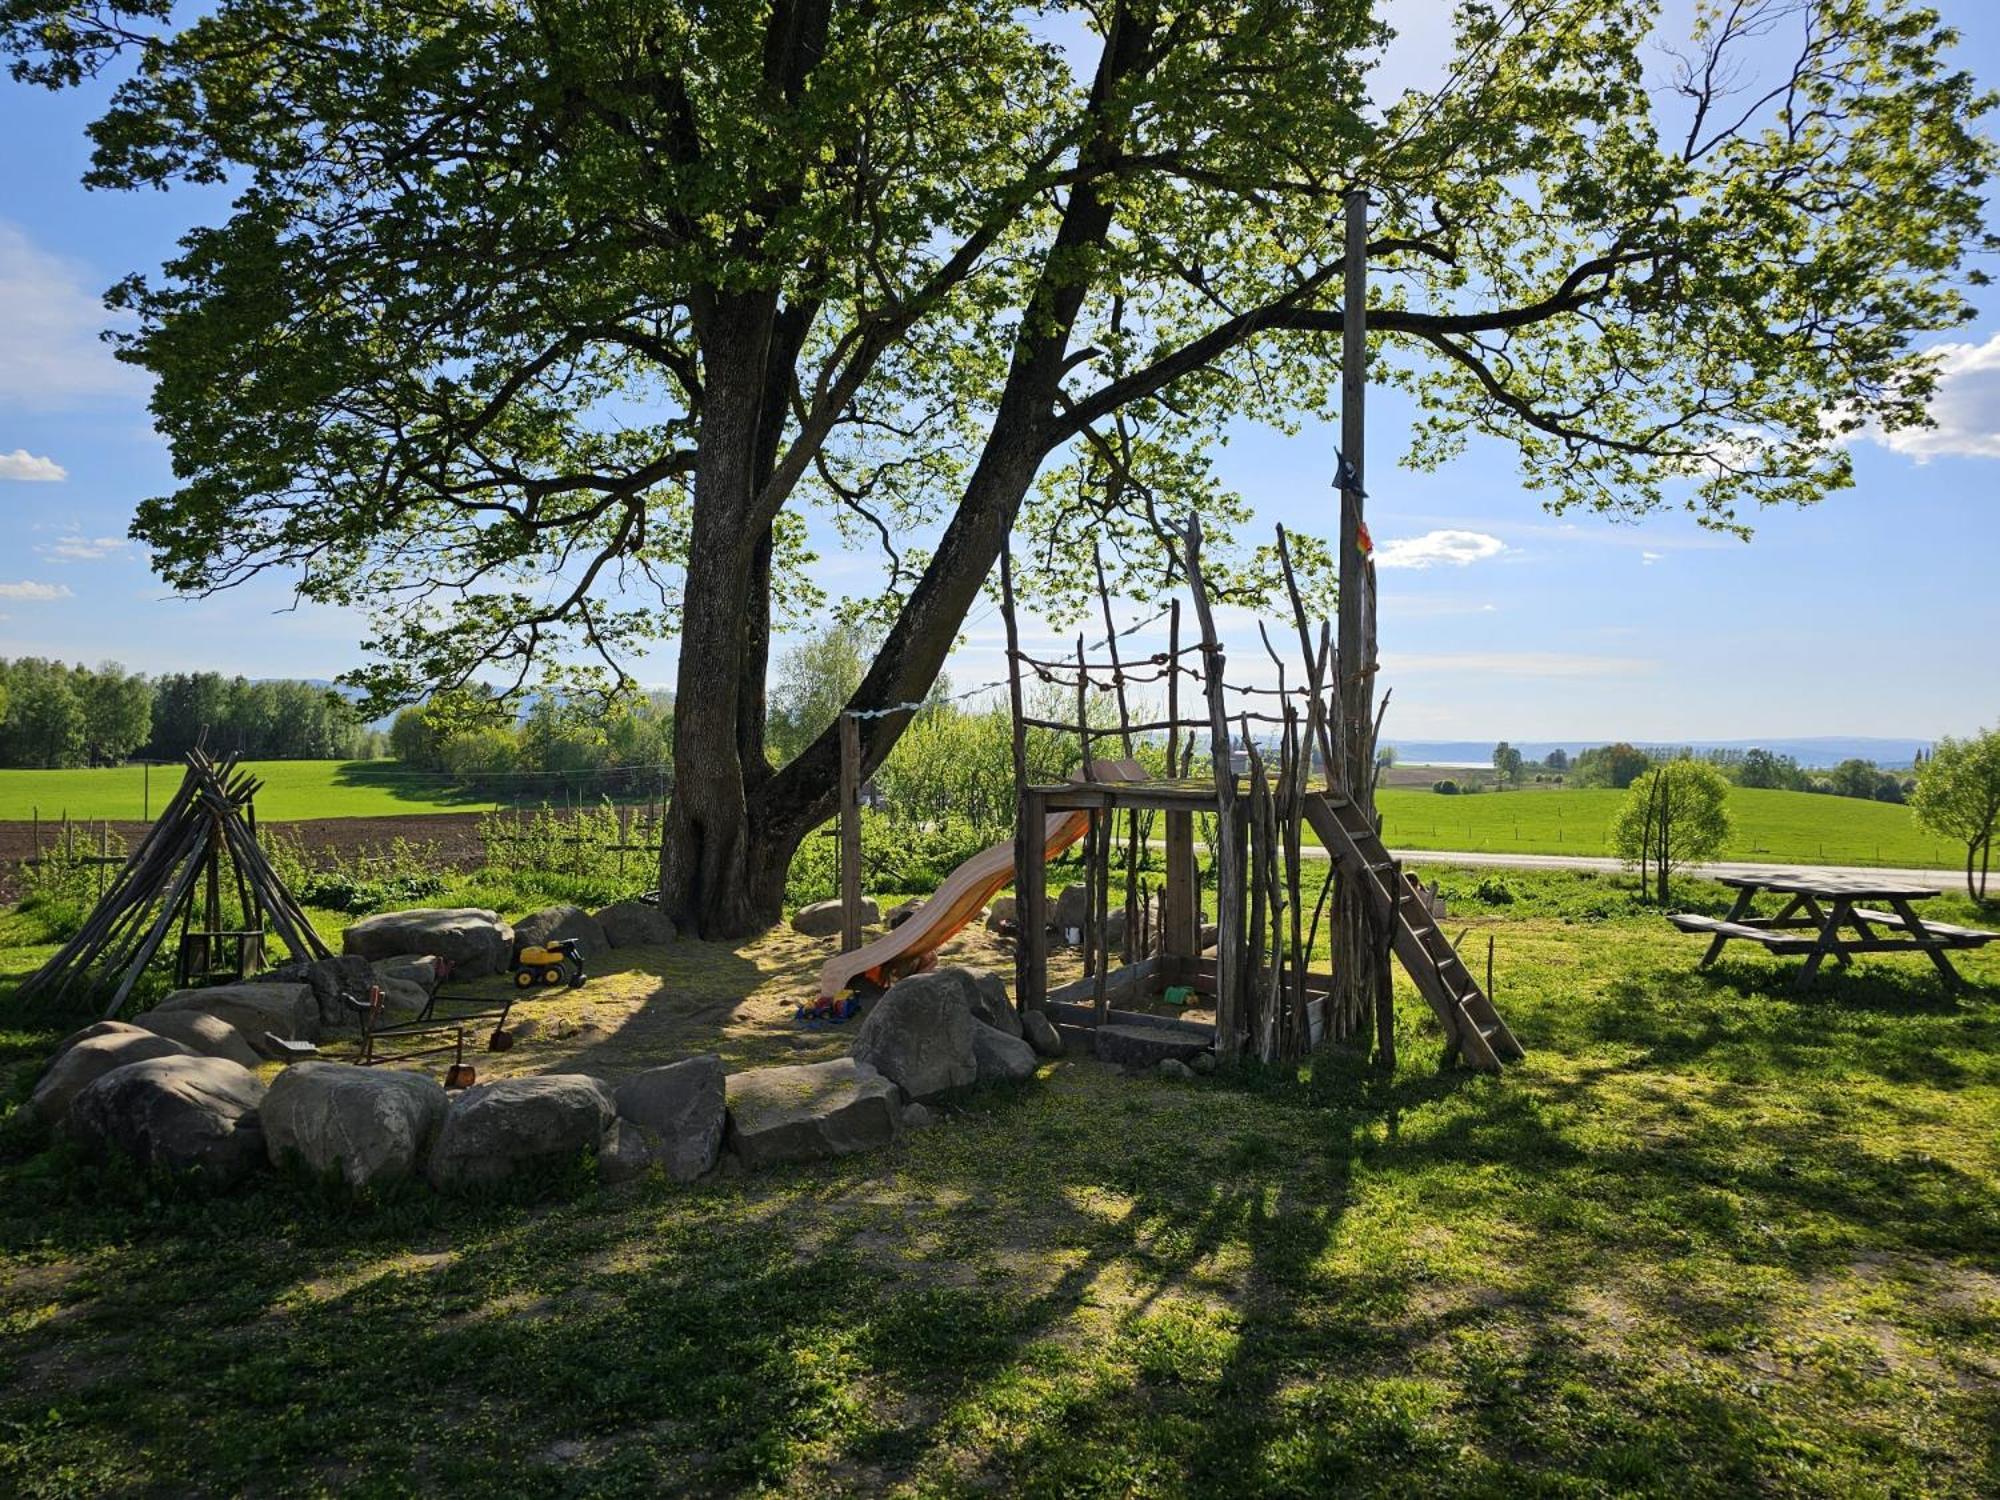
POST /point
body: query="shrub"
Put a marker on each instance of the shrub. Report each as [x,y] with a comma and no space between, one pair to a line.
[1493,891]
[60,889]
[1445,788]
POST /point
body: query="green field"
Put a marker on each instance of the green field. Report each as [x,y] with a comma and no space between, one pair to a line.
[1791,827]
[292,789]
[1795,827]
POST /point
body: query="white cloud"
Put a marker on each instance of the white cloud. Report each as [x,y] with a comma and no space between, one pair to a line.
[1513,664]
[23,465]
[1647,559]
[1437,548]
[78,548]
[50,352]
[1966,406]
[34,593]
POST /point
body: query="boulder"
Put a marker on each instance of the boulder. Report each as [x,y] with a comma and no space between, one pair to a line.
[557,923]
[1039,1032]
[1070,913]
[401,999]
[1001,1058]
[1116,922]
[681,1106]
[474,941]
[918,1117]
[1000,915]
[94,1029]
[1145,1046]
[1173,1068]
[494,1130]
[902,911]
[628,1153]
[635,924]
[990,1003]
[1202,1062]
[286,1011]
[370,1125]
[822,918]
[419,969]
[202,1034]
[919,1035]
[329,979]
[80,1065]
[180,1114]
[809,1111]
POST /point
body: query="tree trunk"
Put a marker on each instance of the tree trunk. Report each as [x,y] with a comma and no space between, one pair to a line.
[734,824]
[706,843]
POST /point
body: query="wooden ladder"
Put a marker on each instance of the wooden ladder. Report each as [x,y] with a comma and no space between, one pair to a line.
[1471,1024]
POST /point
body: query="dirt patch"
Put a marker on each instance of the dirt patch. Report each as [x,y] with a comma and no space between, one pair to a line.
[644,1007]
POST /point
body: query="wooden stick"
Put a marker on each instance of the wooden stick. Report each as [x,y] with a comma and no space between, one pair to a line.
[1229,873]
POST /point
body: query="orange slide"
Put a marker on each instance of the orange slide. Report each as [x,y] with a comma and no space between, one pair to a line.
[965,891]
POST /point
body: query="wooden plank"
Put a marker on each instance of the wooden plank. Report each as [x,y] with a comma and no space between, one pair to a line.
[1974,936]
[1127,982]
[1777,942]
[1830,887]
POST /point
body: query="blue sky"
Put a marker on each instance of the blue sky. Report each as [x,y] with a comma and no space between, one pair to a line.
[1876,612]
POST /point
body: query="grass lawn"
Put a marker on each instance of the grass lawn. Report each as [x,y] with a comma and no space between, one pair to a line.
[1710,1238]
[293,789]
[1786,827]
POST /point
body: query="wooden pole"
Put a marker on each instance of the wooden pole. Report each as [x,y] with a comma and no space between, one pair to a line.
[1360,966]
[1125,744]
[850,833]
[1030,870]
[1228,853]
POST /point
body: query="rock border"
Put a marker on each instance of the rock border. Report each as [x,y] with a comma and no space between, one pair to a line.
[930,1037]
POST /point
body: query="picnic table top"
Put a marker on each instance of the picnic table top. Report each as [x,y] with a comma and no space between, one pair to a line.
[1860,887]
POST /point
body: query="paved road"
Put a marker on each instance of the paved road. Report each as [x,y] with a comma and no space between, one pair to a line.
[1944,878]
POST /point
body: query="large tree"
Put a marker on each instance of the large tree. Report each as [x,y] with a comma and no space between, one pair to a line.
[539,324]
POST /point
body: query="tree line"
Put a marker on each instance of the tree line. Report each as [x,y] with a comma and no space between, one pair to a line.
[55,714]
[1621,764]
[583,746]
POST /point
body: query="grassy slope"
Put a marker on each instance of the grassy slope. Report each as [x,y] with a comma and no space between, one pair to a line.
[1708,1239]
[1787,826]
[292,789]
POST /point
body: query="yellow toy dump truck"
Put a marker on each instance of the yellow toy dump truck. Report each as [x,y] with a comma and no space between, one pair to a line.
[549,964]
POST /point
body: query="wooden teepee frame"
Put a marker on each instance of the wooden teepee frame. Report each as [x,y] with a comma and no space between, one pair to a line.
[177,866]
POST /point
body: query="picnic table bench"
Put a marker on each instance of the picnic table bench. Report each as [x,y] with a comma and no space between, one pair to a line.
[1816,919]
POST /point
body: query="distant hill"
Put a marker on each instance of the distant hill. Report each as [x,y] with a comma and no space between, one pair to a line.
[1808,750]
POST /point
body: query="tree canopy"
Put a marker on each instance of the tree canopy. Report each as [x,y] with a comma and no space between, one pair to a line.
[539,329]
[1958,795]
[1674,816]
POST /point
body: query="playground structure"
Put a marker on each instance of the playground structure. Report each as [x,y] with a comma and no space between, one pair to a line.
[1259,791]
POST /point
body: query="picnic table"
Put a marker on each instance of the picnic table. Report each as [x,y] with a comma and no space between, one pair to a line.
[1834,916]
